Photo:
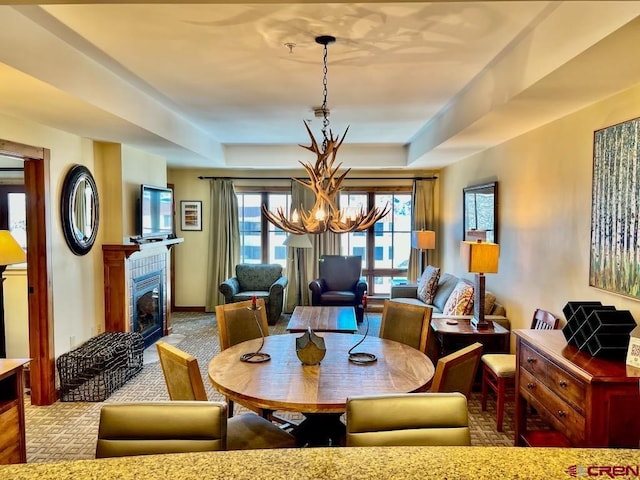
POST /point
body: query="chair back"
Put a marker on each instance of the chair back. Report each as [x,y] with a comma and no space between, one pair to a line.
[161,427]
[339,272]
[408,419]
[457,371]
[256,277]
[238,323]
[543,320]
[181,373]
[406,323]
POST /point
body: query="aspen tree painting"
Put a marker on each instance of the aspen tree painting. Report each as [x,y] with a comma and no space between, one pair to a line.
[615,243]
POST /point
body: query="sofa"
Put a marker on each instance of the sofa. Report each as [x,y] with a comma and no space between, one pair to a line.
[446,284]
[259,280]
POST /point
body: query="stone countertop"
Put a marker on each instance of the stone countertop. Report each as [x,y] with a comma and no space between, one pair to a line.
[347,463]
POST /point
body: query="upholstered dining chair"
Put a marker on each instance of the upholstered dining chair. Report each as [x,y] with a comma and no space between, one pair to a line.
[184,383]
[148,428]
[339,283]
[456,372]
[406,323]
[408,419]
[237,323]
[499,369]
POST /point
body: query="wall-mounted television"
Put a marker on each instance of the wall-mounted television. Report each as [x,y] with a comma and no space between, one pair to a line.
[155,212]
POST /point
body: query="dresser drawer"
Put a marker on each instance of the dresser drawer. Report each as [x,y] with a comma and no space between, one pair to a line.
[566,387]
[531,360]
[557,411]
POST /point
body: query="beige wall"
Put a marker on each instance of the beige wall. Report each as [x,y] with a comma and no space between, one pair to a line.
[544,211]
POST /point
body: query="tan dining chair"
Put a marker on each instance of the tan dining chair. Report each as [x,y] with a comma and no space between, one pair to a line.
[147,428]
[237,323]
[456,372]
[406,323]
[408,419]
[184,383]
[499,369]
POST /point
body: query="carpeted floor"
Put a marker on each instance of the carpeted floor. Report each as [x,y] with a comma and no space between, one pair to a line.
[67,430]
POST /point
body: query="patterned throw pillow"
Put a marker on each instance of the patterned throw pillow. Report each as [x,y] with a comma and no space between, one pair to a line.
[460,301]
[489,302]
[428,284]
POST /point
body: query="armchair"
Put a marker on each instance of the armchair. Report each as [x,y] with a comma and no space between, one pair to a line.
[339,284]
[260,280]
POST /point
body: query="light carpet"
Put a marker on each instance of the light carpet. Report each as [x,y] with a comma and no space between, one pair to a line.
[68,430]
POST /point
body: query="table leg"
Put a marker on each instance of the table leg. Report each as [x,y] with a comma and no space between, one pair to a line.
[320,430]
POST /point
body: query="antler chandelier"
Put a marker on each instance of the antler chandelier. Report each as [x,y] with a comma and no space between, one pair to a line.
[325,182]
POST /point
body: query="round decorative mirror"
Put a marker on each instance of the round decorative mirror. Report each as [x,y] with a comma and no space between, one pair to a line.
[79,209]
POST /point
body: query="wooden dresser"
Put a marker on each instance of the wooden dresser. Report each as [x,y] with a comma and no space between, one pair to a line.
[13,447]
[588,401]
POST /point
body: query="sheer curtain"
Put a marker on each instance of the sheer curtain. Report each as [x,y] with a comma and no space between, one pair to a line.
[224,240]
[423,219]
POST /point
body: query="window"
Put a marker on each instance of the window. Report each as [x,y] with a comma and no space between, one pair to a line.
[385,248]
[260,241]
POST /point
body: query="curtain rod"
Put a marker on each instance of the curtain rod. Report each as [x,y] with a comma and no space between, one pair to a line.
[203,177]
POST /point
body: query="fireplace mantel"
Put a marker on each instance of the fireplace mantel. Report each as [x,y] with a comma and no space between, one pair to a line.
[121,262]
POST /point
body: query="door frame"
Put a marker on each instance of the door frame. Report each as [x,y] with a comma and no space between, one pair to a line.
[39,268]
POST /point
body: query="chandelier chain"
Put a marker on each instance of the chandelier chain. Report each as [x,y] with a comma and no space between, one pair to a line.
[325,118]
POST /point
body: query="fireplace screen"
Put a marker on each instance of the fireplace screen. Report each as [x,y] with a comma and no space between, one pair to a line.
[148,304]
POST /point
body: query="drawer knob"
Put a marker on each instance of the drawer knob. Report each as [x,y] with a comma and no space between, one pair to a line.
[563,383]
[530,360]
[562,413]
[531,385]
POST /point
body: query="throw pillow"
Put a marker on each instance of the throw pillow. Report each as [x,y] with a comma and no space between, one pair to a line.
[489,302]
[460,302]
[428,284]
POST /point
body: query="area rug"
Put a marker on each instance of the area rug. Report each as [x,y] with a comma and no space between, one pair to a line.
[68,430]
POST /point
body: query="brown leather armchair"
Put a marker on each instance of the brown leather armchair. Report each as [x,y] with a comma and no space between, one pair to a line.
[339,284]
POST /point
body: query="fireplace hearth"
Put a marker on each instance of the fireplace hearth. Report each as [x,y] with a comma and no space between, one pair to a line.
[148,305]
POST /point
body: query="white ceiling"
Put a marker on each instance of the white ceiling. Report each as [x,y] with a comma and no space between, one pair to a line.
[213,84]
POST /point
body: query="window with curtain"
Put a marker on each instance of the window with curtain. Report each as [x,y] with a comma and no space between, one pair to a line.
[260,241]
[385,248]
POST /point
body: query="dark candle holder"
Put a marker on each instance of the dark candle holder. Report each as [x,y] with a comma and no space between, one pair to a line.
[258,356]
[362,357]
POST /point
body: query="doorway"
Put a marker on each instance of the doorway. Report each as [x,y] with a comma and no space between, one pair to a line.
[41,341]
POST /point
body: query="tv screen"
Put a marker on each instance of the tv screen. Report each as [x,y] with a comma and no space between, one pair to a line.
[156,211]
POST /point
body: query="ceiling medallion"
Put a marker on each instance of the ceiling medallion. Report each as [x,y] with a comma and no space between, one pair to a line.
[325,182]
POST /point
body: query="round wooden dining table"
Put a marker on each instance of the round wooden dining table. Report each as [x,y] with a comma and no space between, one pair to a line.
[319,391]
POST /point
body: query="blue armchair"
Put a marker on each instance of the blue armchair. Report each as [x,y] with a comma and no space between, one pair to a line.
[259,280]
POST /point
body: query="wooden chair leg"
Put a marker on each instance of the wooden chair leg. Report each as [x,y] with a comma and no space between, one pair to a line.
[500,403]
[229,408]
[485,385]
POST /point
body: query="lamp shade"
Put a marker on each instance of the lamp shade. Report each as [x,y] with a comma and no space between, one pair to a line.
[10,251]
[423,239]
[480,257]
[297,241]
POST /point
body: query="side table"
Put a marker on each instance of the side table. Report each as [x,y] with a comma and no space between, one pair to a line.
[454,336]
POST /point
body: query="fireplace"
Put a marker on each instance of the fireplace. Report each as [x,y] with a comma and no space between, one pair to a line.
[148,306]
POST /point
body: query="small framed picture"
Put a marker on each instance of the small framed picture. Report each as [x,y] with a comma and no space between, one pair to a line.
[191,215]
[633,354]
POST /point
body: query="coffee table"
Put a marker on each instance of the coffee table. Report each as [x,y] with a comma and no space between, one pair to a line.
[323,319]
[319,391]
[454,336]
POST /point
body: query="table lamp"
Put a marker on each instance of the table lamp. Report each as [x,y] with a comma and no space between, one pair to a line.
[299,242]
[10,252]
[480,257]
[423,240]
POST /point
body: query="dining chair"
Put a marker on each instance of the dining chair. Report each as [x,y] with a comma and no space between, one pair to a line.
[406,323]
[147,428]
[184,383]
[456,372]
[408,419]
[499,369]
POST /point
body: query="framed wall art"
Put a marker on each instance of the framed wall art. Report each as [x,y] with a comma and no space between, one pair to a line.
[191,215]
[615,201]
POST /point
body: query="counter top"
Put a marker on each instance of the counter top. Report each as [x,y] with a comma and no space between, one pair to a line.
[345,463]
